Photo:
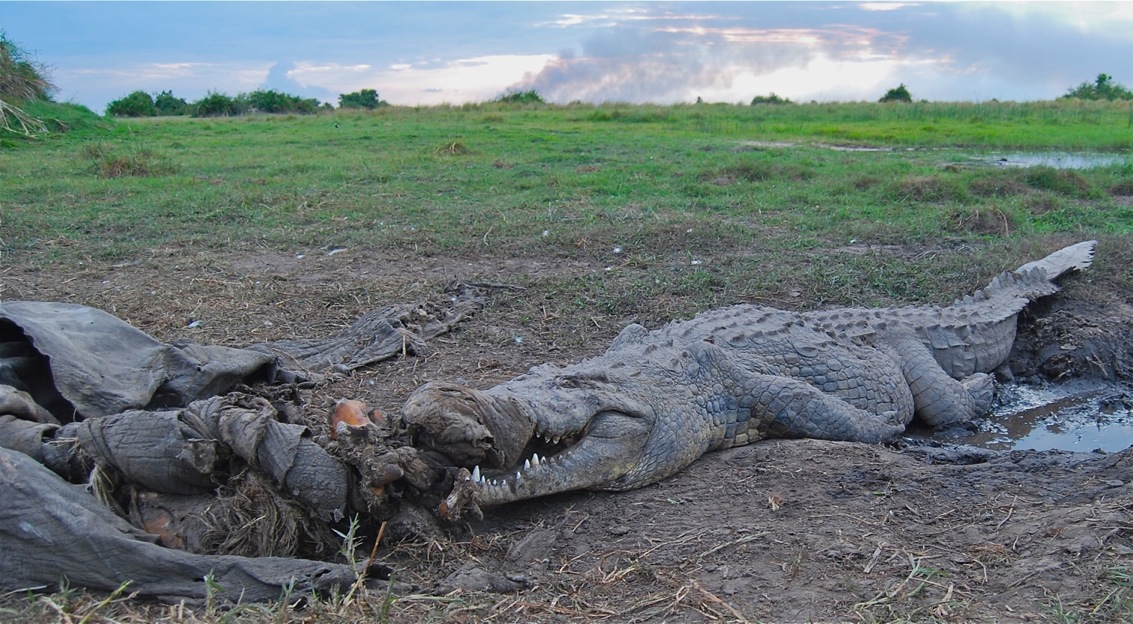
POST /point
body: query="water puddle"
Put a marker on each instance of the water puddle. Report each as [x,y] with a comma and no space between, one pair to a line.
[1058,160]
[1078,416]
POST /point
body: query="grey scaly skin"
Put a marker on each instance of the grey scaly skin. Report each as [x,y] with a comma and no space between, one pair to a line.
[656,401]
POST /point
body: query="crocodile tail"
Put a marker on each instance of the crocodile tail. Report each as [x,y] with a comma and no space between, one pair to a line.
[1013,289]
[1072,258]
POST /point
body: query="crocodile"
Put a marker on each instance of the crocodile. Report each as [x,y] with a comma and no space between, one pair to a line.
[655,401]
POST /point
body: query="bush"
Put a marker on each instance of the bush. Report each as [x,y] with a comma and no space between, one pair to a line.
[366,98]
[260,101]
[521,97]
[769,99]
[166,104]
[216,105]
[272,101]
[137,104]
[1103,88]
[897,94]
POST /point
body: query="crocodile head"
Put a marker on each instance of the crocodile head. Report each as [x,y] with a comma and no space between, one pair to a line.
[595,425]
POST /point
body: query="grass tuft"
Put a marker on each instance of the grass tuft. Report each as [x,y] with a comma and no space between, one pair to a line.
[111,162]
[1061,181]
[452,148]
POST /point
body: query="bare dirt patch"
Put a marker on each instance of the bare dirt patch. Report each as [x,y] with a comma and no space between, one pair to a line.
[778,531]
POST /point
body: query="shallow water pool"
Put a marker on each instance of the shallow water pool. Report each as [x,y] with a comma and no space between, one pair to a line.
[1076,416]
[1059,160]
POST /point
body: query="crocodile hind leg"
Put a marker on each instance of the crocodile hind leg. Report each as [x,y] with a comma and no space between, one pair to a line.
[939,399]
[795,409]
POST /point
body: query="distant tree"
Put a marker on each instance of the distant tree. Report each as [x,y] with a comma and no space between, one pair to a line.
[269,101]
[770,99]
[897,94]
[272,101]
[216,105]
[166,104]
[366,98]
[260,101]
[1103,88]
[137,104]
[521,97]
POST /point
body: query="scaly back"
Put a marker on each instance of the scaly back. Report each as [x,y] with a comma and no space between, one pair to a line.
[975,333]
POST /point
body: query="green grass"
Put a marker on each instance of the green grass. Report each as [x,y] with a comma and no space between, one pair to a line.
[490,179]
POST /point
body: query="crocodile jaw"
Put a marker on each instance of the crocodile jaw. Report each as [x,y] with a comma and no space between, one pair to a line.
[610,448]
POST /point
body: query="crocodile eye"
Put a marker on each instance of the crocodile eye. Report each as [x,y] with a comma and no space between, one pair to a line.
[567,381]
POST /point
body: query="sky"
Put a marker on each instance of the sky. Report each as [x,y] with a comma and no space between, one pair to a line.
[427,53]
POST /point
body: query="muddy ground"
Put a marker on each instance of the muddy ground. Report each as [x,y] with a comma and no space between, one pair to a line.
[783,530]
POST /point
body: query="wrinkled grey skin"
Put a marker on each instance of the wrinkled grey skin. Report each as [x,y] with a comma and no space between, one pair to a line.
[655,401]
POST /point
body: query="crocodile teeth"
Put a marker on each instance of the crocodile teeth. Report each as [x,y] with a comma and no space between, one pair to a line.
[476,475]
[527,464]
[535,460]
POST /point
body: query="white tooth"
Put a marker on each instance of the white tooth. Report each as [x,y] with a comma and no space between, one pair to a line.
[518,477]
[527,464]
[555,440]
[535,459]
[476,474]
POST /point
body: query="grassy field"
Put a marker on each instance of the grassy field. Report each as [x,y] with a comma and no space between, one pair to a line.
[650,213]
[625,184]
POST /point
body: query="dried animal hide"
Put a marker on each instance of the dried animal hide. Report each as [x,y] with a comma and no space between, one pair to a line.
[188,451]
[80,389]
[55,532]
[79,362]
[394,330]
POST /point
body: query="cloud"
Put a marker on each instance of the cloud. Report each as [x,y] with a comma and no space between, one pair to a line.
[286,77]
[474,79]
[883,6]
[423,82]
[453,52]
[680,62]
[827,51]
